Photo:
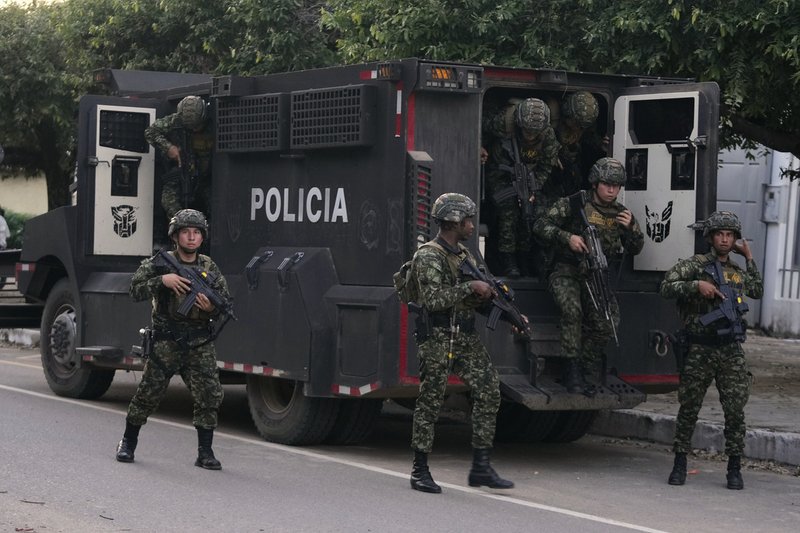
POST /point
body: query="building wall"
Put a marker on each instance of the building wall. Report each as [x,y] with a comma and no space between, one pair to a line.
[24,195]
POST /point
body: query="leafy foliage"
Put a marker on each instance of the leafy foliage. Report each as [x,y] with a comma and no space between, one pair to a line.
[16,223]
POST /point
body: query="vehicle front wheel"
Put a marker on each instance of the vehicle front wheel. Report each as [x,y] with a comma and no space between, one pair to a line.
[62,368]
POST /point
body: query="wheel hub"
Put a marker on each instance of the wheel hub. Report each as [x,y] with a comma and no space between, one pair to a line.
[62,339]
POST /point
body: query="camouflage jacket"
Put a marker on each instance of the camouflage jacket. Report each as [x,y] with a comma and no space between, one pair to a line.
[682,280]
[539,156]
[170,130]
[146,283]
[441,286]
[560,222]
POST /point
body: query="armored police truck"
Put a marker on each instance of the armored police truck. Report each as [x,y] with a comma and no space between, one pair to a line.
[322,184]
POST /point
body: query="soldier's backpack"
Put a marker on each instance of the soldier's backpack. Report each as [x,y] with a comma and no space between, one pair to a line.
[405,280]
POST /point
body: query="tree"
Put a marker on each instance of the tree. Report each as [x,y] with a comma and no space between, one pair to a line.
[37,98]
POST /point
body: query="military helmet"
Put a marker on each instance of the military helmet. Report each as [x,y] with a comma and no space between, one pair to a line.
[607,170]
[192,111]
[532,115]
[719,220]
[188,218]
[582,107]
[453,207]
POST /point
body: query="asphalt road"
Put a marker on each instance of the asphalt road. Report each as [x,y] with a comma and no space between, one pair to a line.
[58,473]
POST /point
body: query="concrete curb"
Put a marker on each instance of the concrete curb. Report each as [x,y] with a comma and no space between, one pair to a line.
[20,337]
[760,444]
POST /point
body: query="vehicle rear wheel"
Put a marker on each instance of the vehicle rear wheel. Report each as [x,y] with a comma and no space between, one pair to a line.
[355,421]
[517,423]
[62,367]
[571,425]
[283,414]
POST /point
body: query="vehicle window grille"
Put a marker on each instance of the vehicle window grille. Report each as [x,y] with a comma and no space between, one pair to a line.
[332,117]
[249,124]
[124,130]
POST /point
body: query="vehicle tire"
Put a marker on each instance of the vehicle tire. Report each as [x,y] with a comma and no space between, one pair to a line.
[571,425]
[283,414]
[517,423]
[62,368]
[354,422]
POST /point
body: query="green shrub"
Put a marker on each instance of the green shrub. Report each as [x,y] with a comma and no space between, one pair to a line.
[16,223]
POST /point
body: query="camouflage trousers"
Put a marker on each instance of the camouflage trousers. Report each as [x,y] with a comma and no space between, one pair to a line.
[473,366]
[585,331]
[200,197]
[198,369]
[727,366]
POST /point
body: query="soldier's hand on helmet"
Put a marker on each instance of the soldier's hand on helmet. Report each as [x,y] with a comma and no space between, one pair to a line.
[742,247]
[203,303]
[482,289]
[177,284]
[174,153]
[577,244]
[709,290]
[625,219]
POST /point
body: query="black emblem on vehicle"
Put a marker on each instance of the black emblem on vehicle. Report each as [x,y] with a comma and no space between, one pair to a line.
[124,220]
[658,223]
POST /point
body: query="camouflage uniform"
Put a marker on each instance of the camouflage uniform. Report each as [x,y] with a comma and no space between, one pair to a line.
[442,292]
[584,330]
[171,130]
[580,143]
[510,233]
[710,356]
[177,347]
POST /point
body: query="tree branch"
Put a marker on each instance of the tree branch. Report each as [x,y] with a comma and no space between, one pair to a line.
[774,139]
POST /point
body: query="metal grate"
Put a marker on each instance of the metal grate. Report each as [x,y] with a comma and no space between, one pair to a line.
[251,123]
[124,130]
[422,203]
[333,117]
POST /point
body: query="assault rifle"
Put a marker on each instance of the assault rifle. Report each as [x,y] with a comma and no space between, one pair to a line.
[597,267]
[731,308]
[188,173]
[201,283]
[523,186]
[502,304]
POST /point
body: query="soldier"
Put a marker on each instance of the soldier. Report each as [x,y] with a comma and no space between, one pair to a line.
[715,350]
[449,301]
[523,135]
[181,344]
[185,139]
[585,330]
[574,124]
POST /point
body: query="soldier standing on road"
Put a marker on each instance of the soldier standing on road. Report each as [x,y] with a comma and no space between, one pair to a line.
[523,134]
[450,301]
[585,331]
[186,140]
[181,344]
[715,350]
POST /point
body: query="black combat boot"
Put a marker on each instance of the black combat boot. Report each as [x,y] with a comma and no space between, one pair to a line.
[573,377]
[678,474]
[508,265]
[205,455]
[421,476]
[127,445]
[482,473]
[735,473]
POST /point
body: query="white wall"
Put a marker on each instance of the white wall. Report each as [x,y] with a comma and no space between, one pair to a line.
[24,195]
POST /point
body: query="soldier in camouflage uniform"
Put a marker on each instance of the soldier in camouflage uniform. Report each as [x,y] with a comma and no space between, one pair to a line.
[573,120]
[526,124]
[451,342]
[584,329]
[186,140]
[181,344]
[712,355]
